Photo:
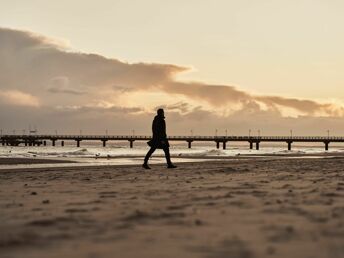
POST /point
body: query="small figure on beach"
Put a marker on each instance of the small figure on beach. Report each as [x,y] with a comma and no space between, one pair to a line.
[159,140]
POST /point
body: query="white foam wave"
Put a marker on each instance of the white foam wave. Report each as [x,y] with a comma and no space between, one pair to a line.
[81,152]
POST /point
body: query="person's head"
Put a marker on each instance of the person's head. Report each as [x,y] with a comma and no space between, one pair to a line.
[160,112]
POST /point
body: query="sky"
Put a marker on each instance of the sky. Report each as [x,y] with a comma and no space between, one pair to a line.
[269,65]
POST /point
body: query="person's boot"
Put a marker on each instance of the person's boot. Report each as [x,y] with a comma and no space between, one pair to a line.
[145,166]
[171,166]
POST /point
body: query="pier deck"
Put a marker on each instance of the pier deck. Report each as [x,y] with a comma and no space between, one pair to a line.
[33,140]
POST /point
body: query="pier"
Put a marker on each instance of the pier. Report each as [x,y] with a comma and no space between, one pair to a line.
[224,141]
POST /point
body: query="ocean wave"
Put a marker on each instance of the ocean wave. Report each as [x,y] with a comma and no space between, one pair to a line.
[206,153]
[289,152]
[81,152]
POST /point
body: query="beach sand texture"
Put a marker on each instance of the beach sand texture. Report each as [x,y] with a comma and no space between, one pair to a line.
[270,207]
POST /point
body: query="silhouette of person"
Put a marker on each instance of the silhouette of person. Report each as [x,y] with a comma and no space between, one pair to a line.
[159,140]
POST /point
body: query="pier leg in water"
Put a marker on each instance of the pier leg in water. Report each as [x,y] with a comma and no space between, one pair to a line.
[224,145]
[326,145]
[251,145]
[289,145]
[257,145]
[131,143]
[189,144]
[217,145]
[45,143]
[104,143]
[53,142]
[78,143]
[62,143]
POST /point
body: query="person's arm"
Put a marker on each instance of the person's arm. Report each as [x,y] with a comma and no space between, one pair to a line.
[159,131]
[163,129]
[155,129]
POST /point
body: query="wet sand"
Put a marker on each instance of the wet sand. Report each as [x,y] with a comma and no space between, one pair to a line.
[269,207]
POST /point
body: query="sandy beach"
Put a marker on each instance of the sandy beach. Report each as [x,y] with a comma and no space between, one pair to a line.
[267,207]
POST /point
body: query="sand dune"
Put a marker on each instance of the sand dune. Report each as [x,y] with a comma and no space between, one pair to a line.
[268,207]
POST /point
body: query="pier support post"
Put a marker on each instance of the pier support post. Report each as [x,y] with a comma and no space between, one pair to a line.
[3,142]
[257,145]
[104,143]
[131,143]
[289,145]
[78,143]
[53,142]
[44,143]
[224,145]
[25,142]
[326,145]
[217,145]
[189,144]
[251,145]
[62,143]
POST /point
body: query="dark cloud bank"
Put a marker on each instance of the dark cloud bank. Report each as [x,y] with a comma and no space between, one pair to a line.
[45,83]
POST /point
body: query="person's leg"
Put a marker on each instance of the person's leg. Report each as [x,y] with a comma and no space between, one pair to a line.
[149,153]
[167,155]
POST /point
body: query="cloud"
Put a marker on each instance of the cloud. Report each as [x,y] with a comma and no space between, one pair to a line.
[180,107]
[221,95]
[99,109]
[61,84]
[34,64]
[39,71]
[19,98]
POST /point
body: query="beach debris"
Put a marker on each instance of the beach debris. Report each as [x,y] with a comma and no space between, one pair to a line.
[198,222]
[45,201]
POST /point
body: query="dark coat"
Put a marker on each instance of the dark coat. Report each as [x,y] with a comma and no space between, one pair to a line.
[159,139]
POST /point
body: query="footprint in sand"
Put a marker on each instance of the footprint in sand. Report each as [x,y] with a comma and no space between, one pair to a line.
[76,210]
[231,247]
[277,234]
[111,194]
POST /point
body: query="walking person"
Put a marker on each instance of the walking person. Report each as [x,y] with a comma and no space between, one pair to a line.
[159,140]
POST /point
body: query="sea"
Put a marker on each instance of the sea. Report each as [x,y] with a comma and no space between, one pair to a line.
[119,153]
